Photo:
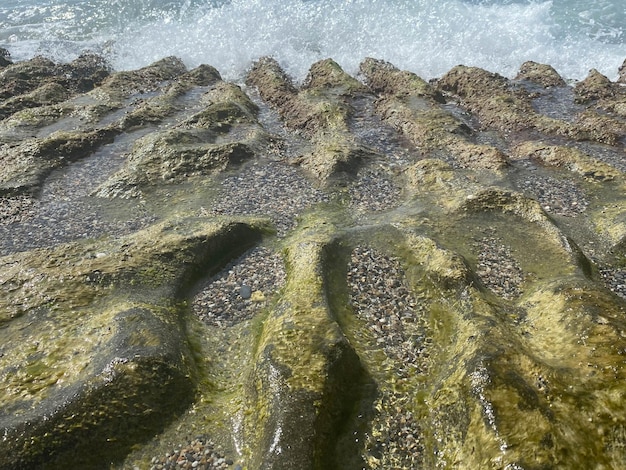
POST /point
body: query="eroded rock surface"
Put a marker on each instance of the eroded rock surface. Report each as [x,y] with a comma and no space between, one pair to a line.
[353,272]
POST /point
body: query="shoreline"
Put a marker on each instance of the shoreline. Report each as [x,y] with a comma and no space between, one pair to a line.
[272,265]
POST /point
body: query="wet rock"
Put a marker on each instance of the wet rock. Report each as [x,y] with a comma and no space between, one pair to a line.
[199,145]
[24,77]
[5,57]
[542,74]
[48,94]
[384,77]
[604,95]
[596,86]
[84,73]
[145,79]
[30,162]
[569,158]
[498,105]
[386,273]
[294,416]
[327,74]
[320,110]
[410,104]
[35,79]
[91,381]
[154,110]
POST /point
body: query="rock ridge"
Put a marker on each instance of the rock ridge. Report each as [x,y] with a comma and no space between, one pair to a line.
[369,271]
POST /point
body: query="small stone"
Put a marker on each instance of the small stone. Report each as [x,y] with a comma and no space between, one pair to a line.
[257,296]
[245,292]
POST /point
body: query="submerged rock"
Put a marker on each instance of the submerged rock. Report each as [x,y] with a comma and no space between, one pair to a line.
[320,110]
[353,272]
[95,357]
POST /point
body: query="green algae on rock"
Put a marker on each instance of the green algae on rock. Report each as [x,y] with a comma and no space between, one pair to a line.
[108,362]
[320,110]
[465,324]
[413,106]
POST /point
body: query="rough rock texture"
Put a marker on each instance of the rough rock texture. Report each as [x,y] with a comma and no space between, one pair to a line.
[541,74]
[353,272]
[320,110]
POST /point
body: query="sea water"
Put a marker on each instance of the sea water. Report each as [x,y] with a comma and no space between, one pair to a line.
[427,37]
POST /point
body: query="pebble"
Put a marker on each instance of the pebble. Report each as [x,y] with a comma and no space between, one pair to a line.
[245,292]
[199,453]
[381,298]
[497,268]
[241,289]
[279,192]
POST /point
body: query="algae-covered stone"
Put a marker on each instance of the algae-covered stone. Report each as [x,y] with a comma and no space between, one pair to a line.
[200,145]
[24,77]
[156,109]
[306,373]
[386,78]
[569,158]
[97,360]
[610,97]
[27,164]
[465,325]
[412,105]
[321,110]
[499,106]
[51,93]
[542,74]
[328,74]
[145,79]
[594,87]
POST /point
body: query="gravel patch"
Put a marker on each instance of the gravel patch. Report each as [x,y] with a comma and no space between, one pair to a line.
[241,290]
[66,221]
[380,297]
[273,189]
[199,454]
[17,209]
[556,196]
[615,279]
[374,191]
[497,268]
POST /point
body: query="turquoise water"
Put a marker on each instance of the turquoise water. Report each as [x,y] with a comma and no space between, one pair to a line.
[425,36]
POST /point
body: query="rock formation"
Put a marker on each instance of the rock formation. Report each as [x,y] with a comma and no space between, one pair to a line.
[353,272]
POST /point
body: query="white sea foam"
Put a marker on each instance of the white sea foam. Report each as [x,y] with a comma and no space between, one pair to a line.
[425,36]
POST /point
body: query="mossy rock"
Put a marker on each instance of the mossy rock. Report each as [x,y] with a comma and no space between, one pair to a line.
[320,111]
[412,105]
[569,158]
[434,311]
[501,106]
[112,365]
[295,411]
